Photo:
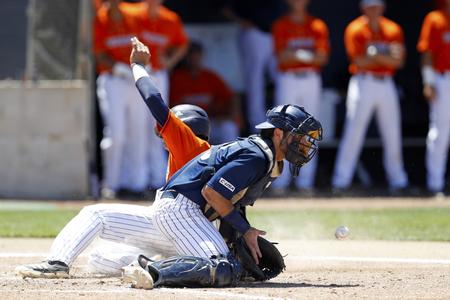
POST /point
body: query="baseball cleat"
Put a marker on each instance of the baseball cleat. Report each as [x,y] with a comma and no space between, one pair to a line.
[138,277]
[46,269]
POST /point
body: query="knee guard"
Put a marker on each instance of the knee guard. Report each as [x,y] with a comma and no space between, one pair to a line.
[190,271]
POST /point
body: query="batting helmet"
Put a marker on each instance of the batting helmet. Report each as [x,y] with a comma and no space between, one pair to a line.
[195,117]
[306,131]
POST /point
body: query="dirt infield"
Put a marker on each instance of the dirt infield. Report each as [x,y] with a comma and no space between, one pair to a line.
[316,269]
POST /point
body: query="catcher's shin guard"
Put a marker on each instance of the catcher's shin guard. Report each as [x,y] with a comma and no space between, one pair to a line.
[190,271]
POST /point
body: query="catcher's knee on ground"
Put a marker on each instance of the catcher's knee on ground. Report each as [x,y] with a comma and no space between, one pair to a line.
[189,271]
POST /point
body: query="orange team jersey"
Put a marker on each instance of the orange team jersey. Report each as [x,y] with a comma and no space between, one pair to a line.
[435,38]
[159,33]
[181,142]
[359,36]
[312,35]
[206,90]
[113,38]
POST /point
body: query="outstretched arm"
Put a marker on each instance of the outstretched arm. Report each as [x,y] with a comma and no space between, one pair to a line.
[140,56]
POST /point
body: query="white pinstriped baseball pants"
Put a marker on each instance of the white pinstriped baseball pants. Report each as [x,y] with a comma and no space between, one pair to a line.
[170,227]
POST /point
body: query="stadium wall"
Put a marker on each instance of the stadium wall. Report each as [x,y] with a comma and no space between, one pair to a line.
[44,136]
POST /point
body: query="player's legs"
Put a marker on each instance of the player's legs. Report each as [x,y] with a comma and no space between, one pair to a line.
[128,224]
[360,105]
[388,118]
[112,106]
[181,222]
[438,135]
[310,88]
[138,132]
[223,131]
[286,92]
[256,50]
[108,258]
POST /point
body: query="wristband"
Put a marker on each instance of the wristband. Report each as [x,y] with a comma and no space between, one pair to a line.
[235,219]
[139,71]
[428,75]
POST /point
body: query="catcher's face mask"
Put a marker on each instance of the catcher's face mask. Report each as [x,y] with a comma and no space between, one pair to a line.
[301,148]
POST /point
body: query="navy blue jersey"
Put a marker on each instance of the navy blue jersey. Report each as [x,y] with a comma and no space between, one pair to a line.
[235,167]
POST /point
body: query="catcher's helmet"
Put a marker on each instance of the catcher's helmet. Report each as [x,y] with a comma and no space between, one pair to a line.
[304,128]
[195,117]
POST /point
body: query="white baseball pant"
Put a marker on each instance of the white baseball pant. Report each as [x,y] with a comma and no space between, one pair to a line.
[438,134]
[303,89]
[126,133]
[170,227]
[365,95]
[256,48]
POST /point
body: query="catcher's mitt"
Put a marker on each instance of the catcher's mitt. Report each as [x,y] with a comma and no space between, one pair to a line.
[270,264]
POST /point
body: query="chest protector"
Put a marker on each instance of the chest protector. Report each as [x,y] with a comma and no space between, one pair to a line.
[248,195]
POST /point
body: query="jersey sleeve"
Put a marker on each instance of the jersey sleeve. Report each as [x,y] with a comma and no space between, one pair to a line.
[399,37]
[180,37]
[425,42]
[354,44]
[322,37]
[238,174]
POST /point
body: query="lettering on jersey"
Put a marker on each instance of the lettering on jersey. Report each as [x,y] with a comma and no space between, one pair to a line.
[301,43]
[155,38]
[446,37]
[119,41]
[226,184]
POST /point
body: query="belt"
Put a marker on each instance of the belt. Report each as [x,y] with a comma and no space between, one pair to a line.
[172,194]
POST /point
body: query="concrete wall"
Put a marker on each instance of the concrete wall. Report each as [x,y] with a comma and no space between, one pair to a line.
[44,130]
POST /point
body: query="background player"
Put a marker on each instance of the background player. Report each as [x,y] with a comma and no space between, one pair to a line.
[302,48]
[255,19]
[125,142]
[194,84]
[375,47]
[162,30]
[434,44]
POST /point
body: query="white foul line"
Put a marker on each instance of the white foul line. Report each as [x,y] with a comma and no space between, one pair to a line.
[415,261]
[198,293]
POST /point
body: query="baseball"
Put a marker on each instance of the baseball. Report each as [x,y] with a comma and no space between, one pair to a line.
[341,232]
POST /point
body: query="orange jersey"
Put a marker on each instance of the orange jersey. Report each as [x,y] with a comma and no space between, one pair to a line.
[181,142]
[113,38]
[359,36]
[435,38]
[312,35]
[159,33]
[206,90]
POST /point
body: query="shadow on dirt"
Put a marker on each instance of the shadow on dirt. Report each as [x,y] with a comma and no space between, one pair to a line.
[293,285]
